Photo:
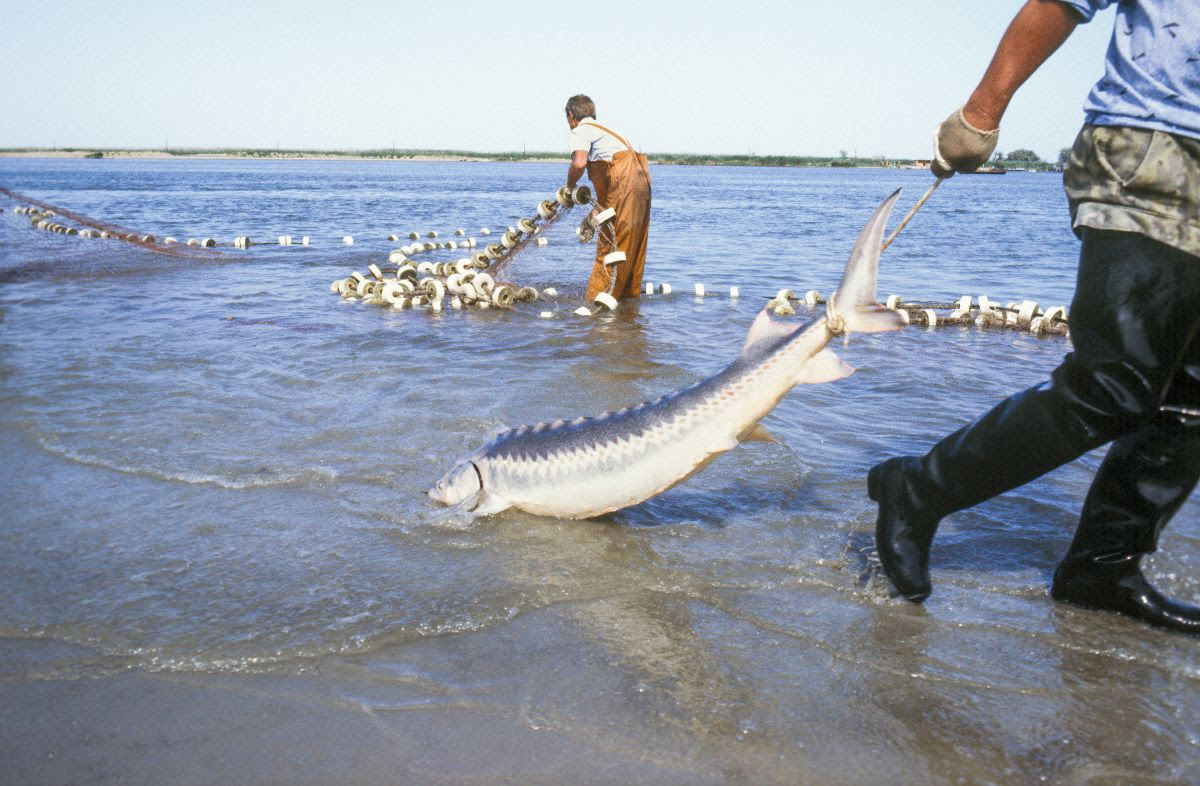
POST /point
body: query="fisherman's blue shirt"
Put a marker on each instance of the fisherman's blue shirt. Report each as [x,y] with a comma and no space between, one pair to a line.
[1152,69]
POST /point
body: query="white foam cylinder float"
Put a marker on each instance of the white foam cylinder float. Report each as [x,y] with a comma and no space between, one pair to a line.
[436,306]
[434,289]
[734,292]
[931,317]
[606,300]
[406,284]
[358,276]
[649,288]
[525,294]
[485,281]
[541,241]
[526,225]
[563,197]
[546,315]
[1027,311]
[207,242]
[363,287]
[348,240]
[605,215]
[985,305]
[550,292]
[460,232]
[698,289]
[665,288]
[1058,312]
[503,296]
[170,241]
[483,304]
[105,234]
[193,241]
[964,303]
[508,241]
[413,235]
[581,195]
[452,282]
[439,245]
[417,300]
[781,307]
[425,267]
[406,270]
[546,209]
[375,271]
[336,286]
[470,242]
[452,245]
[893,301]
[493,251]
[812,297]
[284,240]
[401,302]
[583,311]
[462,265]
[429,246]
[397,257]
[150,239]
[455,302]
[431,233]
[485,231]
[614,258]
[241,241]
[391,292]
[903,315]
[479,259]
[1036,324]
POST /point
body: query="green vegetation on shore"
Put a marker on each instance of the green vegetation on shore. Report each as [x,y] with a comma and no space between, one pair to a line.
[692,159]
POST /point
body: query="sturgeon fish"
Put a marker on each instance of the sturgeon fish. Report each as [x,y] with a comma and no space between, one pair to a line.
[595,465]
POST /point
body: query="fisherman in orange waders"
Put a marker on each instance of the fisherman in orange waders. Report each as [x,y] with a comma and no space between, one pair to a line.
[621,180]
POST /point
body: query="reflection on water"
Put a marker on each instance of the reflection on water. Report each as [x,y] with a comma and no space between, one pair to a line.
[216,475]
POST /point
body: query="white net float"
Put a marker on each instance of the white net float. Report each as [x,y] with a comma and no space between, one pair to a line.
[614,258]
[546,315]
[1036,324]
[393,237]
[542,241]
[546,209]
[483,282]
[508,241]
[483,304]
[434,289]
[903,316]
[470,242]
[985,304]
[734,292]
[460,232]
[391,292]
[649,288]
[375,271]
[931,318]
[527,294]
[150,238]
[207,242]
[1027,311]
[698,289]
[604,215]
[583,311]
[581,195]
[493,251]
[401,302]
[526,225]
[550,292]
[170,241]
[304,240]
[606,300]
[406,271]
[425,267]
[363,287]
[436,306]
[416,300]
[431,233]
[893,301]
[357,277]
[348,240]
[413,235]
[563,197]
[480,259]
[503,295]
[812,297]
[429,246]
[336,286]
[485,231]
[397,257]
[456,302]
[407,285]
[452,245]
[1058,312]
[462,265]
[782,308]
[664,288]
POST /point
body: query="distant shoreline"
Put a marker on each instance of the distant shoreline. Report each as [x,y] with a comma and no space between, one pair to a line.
[693,159]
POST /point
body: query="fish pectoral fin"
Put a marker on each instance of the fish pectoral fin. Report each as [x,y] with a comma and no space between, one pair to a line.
[491,504]
[724,443]
[759,433]
[824,366]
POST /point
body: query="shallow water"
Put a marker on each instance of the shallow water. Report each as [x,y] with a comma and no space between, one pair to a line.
[214,502]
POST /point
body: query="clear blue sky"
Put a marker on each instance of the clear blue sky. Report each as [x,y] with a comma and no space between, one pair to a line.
[787,78]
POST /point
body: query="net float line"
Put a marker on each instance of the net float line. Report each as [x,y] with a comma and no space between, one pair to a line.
[100,229]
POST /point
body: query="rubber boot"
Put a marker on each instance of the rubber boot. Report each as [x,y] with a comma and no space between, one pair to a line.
[1022,438]
[1132,319]
[1143,481]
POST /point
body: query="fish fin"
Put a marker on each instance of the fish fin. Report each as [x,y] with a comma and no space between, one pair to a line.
[767,331]
[759,433]
[873,319]
[491,504]
[860,280]
[824,366]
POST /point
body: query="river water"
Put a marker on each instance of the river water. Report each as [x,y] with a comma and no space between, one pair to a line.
[219,563]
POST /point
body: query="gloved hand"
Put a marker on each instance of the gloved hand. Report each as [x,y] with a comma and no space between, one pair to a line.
[959,146]
[587,229]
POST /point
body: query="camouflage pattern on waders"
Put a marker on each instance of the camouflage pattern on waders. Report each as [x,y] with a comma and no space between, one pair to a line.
[1136,180]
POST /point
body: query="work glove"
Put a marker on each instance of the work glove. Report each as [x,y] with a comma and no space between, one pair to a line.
[587,229]
[959,146]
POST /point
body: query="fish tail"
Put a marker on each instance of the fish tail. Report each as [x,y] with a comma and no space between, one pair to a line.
[854,308]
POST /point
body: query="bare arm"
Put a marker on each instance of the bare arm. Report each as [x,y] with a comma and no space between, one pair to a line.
[1038,29]
[577,167]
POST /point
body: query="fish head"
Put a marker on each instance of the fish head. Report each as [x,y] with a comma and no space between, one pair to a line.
[464,483]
